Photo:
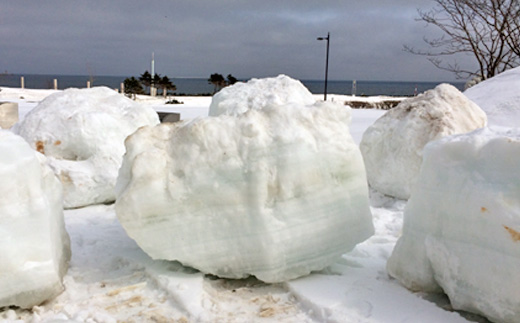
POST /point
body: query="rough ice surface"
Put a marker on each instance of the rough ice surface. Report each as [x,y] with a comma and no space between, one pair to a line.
[392,147]
[461,228]
[275,192]
[34,246]
[82,132]
[258,94]
[499,97]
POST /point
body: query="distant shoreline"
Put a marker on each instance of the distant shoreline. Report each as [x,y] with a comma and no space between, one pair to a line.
[6,73]
[200,86]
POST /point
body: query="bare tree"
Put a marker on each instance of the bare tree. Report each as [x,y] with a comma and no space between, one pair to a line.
[488,30]
[513,29]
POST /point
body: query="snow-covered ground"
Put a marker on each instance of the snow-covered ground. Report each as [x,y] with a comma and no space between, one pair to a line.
[110,279]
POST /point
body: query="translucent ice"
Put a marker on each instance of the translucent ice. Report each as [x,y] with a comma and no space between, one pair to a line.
[392,147]
[462,224]
[34,246]
[259,93]
[275,191]
[82,131]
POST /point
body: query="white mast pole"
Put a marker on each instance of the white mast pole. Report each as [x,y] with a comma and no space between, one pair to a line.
[152,86]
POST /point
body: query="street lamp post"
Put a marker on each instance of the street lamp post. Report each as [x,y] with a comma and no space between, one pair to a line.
[326,63]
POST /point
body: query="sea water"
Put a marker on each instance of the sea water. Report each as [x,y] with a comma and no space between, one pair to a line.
[201,86]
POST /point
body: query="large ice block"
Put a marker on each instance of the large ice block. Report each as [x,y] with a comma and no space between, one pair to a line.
[82,132]
[392,147]
[34,246]
[275,192]
[462,224]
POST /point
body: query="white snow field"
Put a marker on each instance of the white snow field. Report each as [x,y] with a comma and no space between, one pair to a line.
[462,224]
[267,188]
[82,132]
[499,97]
[34,246]
[110,278]
[392,147]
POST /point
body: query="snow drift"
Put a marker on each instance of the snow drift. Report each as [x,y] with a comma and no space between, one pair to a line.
[461,228]
[499,97]
[392,147]
[258,94]
[275,192]
[34,246]
[82,131]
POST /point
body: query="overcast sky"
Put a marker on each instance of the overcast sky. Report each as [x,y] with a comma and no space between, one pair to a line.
[195,38]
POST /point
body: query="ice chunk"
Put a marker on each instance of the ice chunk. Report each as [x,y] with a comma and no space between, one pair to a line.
[275,192]
[499,97]
[82,131]
[392,147]
[259,93]
[462,224]
[34,246]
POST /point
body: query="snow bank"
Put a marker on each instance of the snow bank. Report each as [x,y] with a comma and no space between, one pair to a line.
[82,131]
[462,224]
[499,97]
[34,246]
[15,94]
[258,94]
[275,192]
[392,147]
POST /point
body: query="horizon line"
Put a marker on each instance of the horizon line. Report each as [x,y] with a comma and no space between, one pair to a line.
[241,79]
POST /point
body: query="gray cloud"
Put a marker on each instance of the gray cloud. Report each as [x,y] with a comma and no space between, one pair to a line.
[200,37]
